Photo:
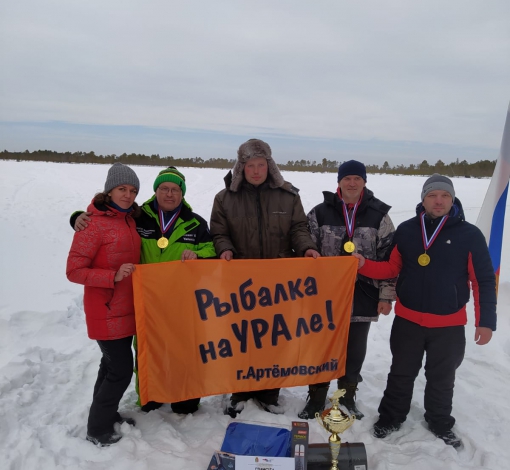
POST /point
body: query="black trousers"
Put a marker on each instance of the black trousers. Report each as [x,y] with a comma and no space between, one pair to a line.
[444,349]
[113,378]
[356,353]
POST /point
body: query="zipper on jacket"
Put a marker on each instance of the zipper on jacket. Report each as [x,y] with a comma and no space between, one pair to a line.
[132,240]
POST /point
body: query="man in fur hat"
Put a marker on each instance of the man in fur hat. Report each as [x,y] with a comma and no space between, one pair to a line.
[258,215]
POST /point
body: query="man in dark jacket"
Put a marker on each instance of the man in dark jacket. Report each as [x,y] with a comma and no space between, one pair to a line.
[258,216]
[352,219]
[437,255]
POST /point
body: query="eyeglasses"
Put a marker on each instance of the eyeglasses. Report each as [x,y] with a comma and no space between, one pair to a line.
[166,190]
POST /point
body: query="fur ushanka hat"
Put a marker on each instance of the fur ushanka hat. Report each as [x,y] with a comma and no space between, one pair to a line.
[254,148]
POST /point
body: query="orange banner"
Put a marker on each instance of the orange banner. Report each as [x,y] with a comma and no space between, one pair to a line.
[209,327]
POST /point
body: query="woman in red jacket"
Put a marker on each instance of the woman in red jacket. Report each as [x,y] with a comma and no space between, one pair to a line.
[102,258]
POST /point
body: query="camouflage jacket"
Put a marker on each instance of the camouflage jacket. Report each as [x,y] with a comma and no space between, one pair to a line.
[373,236]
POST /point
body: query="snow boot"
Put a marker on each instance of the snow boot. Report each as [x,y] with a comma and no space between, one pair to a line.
[268,400]
[121,419]
[449,437]
[234,407]
[316,401]
[185,407]
[104,440]
[150,406]
[348,400]
[274,408]
[384,428]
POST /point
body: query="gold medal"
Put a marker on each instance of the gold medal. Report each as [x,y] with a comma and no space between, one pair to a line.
[423,259]
[163,242]
[349,247]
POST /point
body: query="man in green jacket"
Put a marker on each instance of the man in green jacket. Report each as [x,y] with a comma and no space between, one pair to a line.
[170,231]
[258,216]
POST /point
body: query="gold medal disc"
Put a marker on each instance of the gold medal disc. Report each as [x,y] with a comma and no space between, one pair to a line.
[423,259]
[163,242]
[349,247]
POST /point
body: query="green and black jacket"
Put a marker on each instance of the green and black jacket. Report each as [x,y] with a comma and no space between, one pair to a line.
[190,233]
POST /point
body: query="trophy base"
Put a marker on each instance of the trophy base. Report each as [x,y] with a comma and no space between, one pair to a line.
[353,456]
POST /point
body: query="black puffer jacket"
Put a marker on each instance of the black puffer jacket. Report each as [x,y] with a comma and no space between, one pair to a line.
[436,295]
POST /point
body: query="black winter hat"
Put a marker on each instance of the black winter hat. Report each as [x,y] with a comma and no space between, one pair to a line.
[352,167]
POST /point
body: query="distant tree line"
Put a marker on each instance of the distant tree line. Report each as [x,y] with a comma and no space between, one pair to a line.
[479,169]
[129,159]
[457,168]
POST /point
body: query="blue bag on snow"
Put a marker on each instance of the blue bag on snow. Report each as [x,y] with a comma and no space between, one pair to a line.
[253,439]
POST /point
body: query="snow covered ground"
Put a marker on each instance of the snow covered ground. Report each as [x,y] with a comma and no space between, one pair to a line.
[48,365]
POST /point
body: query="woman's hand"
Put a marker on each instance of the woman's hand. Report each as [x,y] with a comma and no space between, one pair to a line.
[124,271]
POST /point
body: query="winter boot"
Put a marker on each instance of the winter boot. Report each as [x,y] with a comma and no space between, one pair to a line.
[151,406]
[348,400]
[449,437]
[104,440]
[234,407]
[122,419]
[384,428]
[268,400]
[185,407]
[315,402]
[275,408]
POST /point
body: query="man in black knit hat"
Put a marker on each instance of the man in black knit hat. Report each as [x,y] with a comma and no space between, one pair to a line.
[353,220]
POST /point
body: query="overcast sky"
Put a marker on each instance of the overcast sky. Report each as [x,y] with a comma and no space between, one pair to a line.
[394,80]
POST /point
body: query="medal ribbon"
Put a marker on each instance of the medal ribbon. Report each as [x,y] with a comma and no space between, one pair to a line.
[427,242]
[349,222]
[164,227]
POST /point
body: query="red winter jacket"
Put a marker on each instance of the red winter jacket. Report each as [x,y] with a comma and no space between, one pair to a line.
[95,257]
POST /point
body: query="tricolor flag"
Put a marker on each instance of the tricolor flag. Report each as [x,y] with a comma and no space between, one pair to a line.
[491,219]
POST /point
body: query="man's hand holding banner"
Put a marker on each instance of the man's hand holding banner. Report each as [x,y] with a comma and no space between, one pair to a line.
[209,327]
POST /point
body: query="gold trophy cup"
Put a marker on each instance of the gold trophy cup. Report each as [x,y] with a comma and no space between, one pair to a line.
[335,421]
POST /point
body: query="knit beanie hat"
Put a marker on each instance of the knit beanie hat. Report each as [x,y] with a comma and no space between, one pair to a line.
[118,175]
[171,175]
[438,182]
[352,167]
